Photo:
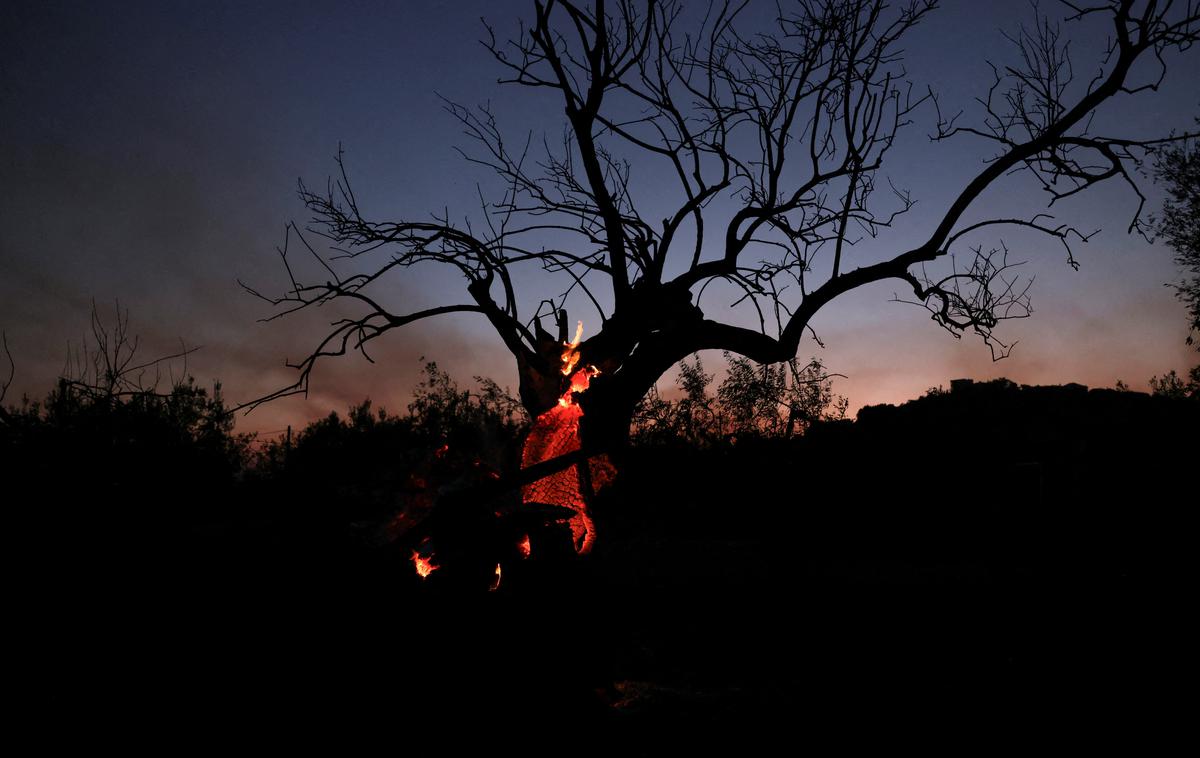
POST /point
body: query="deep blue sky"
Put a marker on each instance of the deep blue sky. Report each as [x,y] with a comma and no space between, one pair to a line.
[149,153]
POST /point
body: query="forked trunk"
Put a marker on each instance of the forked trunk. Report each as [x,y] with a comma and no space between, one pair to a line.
[583,415]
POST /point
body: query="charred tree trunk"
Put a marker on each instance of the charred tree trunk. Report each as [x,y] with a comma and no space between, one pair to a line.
[607,408]
[609,401]
[581,418]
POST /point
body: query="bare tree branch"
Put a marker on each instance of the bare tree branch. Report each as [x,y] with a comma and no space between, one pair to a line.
[105,364]
[795,125]
[12,372]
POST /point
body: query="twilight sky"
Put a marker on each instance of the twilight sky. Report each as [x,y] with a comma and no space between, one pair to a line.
[150,151]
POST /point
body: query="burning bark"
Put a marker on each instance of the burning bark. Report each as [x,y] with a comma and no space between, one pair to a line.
[555,433]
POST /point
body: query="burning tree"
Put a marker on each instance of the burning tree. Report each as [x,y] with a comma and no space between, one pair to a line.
[777,140]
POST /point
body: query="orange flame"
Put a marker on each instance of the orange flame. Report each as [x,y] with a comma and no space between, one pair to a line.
[570,353]
[495,582]
[579,382]
[523,547]
[424,566]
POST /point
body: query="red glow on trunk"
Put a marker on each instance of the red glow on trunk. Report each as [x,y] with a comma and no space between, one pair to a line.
[555,433]
[523,547]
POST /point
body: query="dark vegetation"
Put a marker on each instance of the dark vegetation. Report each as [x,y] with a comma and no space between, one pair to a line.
[745,577]
[765,567]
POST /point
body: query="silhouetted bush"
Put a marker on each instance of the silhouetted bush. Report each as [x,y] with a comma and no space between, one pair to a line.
[754,401]
[128,445]
[362,465]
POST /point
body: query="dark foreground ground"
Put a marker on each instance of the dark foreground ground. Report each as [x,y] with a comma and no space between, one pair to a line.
[995,556]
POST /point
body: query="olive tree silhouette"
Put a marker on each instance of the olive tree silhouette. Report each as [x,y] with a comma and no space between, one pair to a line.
[794,123]
[1178,167]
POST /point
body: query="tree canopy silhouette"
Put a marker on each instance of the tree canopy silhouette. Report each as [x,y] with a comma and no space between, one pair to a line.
[776,140]
[1178,167]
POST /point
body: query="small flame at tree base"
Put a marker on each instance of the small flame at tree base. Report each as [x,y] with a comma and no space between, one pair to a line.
[424,565]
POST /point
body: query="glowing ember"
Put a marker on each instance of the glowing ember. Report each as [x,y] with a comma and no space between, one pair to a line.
[523,546]
[602,471]
[487,470]
[425,566]
[495,582]
[555,433]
